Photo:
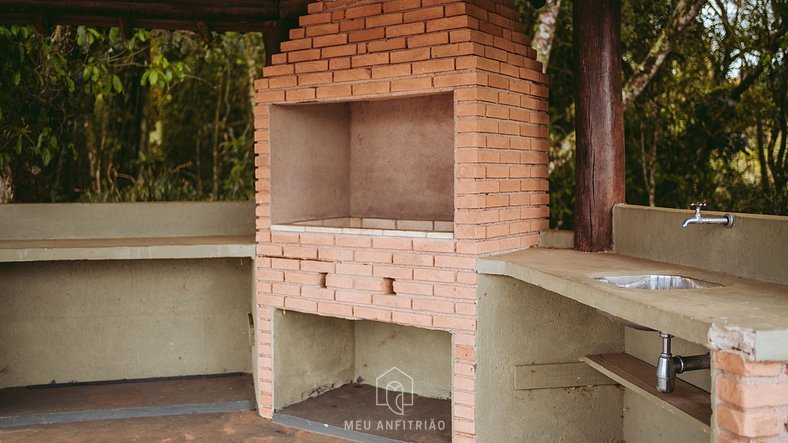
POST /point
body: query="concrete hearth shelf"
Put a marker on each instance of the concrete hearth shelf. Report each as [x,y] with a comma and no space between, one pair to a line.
[127,248]
[686,401]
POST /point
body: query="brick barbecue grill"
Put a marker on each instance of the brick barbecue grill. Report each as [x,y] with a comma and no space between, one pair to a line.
[396,141]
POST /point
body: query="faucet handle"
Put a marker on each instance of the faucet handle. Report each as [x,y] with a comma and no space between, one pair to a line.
[697,205]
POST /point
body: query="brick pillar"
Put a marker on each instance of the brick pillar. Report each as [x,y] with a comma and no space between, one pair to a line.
[750,400]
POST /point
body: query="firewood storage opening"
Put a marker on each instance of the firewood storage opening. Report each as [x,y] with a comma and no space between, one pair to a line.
[362,376]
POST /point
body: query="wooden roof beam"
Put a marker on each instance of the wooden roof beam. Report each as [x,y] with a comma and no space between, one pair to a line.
[225,15]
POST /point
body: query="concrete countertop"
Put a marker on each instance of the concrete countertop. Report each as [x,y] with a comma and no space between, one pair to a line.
[216,246]
[745,315]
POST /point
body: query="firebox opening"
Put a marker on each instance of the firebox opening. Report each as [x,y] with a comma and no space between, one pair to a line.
[326,369]
[375,164]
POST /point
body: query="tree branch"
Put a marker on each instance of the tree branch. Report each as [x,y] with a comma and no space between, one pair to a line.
[544,32]
[683,15]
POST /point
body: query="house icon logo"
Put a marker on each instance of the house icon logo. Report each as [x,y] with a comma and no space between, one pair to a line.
[394,390]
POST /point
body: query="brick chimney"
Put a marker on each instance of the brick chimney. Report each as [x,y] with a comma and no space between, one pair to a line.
[396,141]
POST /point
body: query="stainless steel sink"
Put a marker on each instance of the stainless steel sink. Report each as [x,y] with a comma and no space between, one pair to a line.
[651,282]
[657,282]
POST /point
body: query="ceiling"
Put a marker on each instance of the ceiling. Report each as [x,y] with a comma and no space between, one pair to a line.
[195,15]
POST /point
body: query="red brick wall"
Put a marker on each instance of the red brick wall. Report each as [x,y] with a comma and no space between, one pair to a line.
[350,50]
[751,400]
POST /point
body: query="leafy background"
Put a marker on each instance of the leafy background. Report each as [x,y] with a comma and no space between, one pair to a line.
[91,115]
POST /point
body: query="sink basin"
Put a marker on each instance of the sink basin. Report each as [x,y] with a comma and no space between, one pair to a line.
[657,282]
[651,282]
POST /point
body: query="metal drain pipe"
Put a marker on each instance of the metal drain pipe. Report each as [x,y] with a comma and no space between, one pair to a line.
[668,365]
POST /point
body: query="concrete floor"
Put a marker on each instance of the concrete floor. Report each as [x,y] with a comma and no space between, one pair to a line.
[230,427]
[150,393]
[355,402]
[88,401]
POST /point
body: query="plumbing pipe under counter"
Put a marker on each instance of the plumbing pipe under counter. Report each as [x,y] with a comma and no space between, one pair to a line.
[668,365]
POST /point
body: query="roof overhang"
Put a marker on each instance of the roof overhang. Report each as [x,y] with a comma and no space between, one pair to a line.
[195,15]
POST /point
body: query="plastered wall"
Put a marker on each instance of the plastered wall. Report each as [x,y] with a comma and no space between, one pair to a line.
[423,354]
[645,422]
[107,320]
[313,354]
[748,249]
[521,324]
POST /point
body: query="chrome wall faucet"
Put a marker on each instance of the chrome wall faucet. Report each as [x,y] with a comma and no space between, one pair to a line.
[726,220]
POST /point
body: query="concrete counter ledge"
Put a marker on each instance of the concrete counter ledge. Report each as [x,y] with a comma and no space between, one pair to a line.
[746,315]
[126,231]
[113,291]
[127,248]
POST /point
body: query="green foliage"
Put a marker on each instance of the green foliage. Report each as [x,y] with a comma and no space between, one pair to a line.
[90,114]
[693,133]
[561,114]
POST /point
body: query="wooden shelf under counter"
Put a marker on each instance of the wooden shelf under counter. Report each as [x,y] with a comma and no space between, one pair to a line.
[686,401]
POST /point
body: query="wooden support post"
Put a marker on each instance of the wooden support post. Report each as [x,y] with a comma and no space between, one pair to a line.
[274,33]
[204,31]
[599,122]
[277,31]
[125,29]
[42,25]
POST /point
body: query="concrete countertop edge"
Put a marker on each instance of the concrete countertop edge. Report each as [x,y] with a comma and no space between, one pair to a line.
[755,345]
[193,251]
[771,346]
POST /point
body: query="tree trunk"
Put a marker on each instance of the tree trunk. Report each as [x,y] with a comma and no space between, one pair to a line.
[251,71]
[6,185]
[142,147]
[648,163]
[90,145]
[544,34]
[779,172]
[759,145]
[274,33]
[216,167]
[215,155]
